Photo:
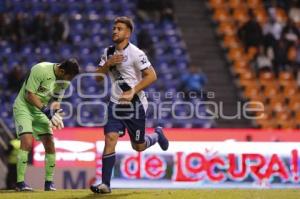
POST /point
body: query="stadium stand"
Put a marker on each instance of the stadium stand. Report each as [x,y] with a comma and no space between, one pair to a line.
[261,41]
[53,30]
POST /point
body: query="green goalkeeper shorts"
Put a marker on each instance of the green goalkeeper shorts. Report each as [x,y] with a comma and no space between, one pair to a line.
[37,124]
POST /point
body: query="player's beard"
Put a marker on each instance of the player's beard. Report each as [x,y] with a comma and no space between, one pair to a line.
[118,40]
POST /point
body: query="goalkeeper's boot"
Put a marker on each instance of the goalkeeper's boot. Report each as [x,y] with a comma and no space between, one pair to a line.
[100,188]
[162,139]
[49,186]
[22,186]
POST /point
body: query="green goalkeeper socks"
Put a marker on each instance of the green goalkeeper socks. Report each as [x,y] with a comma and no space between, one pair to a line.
[21,165]
[49,166]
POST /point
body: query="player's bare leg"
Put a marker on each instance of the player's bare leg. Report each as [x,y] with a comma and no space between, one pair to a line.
[48,143]
[108,162]
[26,145]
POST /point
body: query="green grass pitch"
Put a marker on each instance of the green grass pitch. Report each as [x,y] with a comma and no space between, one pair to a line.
[156,193]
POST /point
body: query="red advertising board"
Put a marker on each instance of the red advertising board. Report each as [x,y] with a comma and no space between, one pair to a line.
[76,147]
[212,157]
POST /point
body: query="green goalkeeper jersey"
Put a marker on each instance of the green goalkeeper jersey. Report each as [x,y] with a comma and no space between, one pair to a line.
[42,82]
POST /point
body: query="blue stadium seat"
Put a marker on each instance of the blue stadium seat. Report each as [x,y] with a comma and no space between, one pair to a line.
[90,27]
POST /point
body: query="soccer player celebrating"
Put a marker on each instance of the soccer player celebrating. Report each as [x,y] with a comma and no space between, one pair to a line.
[37,111]
[130,72]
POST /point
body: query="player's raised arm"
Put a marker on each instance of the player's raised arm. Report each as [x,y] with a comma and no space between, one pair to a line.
[106,63]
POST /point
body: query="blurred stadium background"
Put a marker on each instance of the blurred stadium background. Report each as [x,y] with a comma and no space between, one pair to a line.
[231,54]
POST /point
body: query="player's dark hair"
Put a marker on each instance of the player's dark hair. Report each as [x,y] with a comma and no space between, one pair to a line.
[125,20]
[70,66]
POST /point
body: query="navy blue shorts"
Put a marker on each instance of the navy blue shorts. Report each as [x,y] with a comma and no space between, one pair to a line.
[131,117]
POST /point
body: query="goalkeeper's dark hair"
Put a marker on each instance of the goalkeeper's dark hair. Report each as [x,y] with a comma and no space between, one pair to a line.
[125,20]
[70,66]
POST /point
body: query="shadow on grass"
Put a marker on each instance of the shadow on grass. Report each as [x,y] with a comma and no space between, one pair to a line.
[7,191]
[112,195]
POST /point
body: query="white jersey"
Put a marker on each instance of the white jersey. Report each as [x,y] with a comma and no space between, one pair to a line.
[127,74]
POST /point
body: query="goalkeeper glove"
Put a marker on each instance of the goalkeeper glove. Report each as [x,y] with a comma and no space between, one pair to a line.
[55,116]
